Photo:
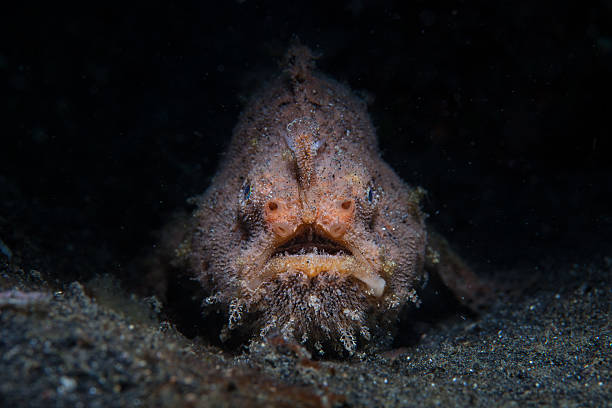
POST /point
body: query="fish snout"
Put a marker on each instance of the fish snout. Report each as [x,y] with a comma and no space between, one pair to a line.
[335,218]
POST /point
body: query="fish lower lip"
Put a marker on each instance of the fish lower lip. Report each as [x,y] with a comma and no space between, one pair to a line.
[312,264]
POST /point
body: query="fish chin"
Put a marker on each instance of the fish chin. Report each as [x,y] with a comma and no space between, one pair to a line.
[329,308]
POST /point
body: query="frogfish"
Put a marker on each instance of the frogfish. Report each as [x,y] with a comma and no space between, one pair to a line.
[305,232]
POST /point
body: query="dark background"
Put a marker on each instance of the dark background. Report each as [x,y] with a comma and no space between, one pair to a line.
[112,116]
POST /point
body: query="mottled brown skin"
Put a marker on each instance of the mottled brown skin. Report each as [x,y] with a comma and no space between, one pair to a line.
[305,231]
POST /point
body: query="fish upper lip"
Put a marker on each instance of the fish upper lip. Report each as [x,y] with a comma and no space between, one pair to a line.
[311,240]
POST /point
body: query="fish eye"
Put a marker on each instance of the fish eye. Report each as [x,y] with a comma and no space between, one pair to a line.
[246,191]
[370,194]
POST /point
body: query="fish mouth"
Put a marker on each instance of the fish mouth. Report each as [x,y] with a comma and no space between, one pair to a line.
[309,241]
[311,251]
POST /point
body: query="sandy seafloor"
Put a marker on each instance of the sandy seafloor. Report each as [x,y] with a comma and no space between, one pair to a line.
[114,116]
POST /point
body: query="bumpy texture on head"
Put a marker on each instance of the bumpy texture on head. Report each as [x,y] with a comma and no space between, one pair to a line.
[305,231]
